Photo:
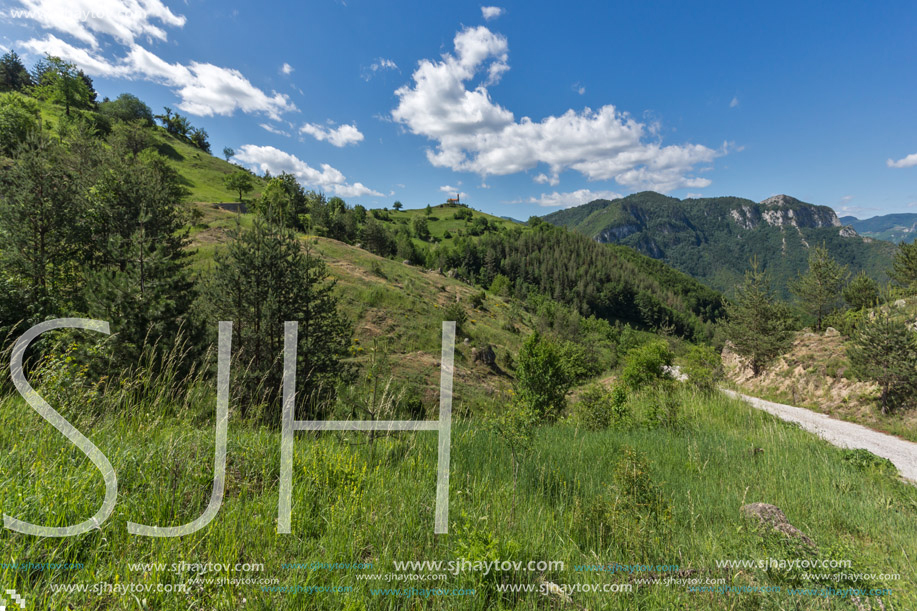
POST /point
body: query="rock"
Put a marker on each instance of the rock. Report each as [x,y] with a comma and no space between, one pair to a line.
[468,341]
[485,355]
[831,332]
[772,516]
[900,303]
[451,273]
[406,262]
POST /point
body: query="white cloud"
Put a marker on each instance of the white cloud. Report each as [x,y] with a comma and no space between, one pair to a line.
[578,88]
[274,130]
[276,161]
[568,200]
[734,102]
[123,20]
[91,63]
[452,191]
[906,162]
[491,12]
[286,68]
[543,179]
[204,89]
[474,134]
[340,136]
[380,64]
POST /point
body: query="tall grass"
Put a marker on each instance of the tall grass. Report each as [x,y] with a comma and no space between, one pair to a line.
[663,487]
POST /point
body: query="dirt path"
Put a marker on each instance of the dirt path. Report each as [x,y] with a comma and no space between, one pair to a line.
[843,434]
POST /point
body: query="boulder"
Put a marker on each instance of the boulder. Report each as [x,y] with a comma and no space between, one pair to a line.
[831,332]
[900,303]
[771,516]
[485,355]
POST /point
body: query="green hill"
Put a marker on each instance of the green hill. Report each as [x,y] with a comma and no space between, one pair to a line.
[891,227]
[713,239]
[202,173]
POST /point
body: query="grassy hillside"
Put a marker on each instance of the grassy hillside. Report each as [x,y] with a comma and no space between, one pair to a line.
[202,173]
[713,239]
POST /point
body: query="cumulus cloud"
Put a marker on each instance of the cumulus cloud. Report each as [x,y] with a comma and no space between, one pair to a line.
[473,133]
[381,64]
[274,130]
[580,89]
[339,136]
[204,89]
[452,191]
[123,20]
[275,161]
[491,12]
[286,68]
[568,200]
[905,162]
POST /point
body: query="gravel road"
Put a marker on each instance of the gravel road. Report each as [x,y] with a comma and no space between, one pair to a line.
[843,434]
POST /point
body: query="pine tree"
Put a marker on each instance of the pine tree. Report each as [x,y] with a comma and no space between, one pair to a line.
[13,74]
[904,272]
[757,324]
[819,289]
[139,277]
[264,279]
[862,292]
[885,350]
[43,247]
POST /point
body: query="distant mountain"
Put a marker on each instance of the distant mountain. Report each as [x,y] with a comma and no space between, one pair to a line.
[892,227]
[713,239]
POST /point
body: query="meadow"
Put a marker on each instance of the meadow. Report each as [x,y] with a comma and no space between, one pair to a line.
[662,486]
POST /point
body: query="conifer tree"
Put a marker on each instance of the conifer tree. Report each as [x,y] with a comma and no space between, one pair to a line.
[885,350]
[819,289]
[757,324]
[904,272]
[265,278]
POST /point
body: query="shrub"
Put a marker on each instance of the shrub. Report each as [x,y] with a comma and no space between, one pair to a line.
[703,367]
[455,311]
[500,285]
[543,377]
[644,365]
[599,408]
[477,300]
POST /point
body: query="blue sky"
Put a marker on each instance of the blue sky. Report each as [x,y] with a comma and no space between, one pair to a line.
[523,107]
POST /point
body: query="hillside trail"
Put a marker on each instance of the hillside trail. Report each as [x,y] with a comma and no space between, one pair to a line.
[903,454]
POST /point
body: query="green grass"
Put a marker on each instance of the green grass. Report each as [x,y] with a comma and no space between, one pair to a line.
[356,504]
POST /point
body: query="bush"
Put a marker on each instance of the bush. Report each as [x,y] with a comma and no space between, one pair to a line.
[500,285]
[644,365]
[543,377]
[477,300]
[455,311]
[703,367]
[599,408]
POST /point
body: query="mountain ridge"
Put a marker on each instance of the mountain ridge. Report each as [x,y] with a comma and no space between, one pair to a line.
[713,239]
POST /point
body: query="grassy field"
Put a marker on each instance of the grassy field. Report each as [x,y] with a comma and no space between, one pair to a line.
[663,487]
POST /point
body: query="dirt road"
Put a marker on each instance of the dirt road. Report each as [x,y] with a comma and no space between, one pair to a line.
[843,434]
